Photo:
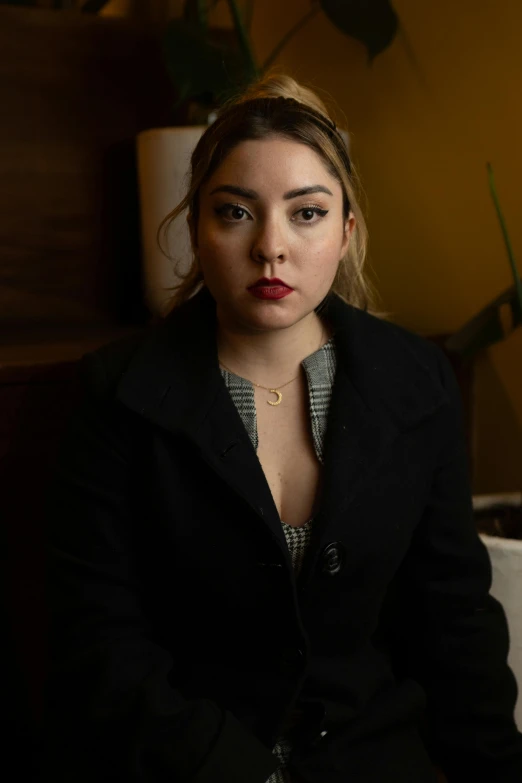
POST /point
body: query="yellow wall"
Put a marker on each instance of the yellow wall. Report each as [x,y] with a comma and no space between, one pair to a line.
[424,119]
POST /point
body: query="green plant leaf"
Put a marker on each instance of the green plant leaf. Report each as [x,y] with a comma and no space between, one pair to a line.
[249,13]
[374,22]
[196,12]
[486,328]
[243,38]
[201,68]
[272,57]
[507,241]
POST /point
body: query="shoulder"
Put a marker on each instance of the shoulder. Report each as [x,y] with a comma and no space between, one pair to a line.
[148,353]
[424,353]
[379,340]
[102,369]
[421,348]
[393,367]
[428,353]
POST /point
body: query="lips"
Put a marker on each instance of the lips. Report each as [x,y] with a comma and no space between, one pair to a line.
[274,282]
[270,289]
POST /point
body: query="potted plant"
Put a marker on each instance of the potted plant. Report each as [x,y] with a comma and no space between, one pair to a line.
[486,327]
[499,517]
[207,66]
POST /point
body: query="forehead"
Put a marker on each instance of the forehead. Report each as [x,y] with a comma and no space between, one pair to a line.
[272,163]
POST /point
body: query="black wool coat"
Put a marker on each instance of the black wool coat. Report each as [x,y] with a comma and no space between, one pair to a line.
[181,640]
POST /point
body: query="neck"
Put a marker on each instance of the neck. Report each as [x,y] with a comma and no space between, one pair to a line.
[270,357]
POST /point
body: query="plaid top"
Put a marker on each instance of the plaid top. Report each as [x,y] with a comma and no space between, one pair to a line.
[320,373]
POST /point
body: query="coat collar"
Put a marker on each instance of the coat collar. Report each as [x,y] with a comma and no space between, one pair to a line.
[383,386]
[174,378]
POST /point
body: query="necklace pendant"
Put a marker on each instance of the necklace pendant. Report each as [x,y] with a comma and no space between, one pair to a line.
[279,397]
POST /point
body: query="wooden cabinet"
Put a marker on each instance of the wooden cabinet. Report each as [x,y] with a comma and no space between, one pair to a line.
[75,91]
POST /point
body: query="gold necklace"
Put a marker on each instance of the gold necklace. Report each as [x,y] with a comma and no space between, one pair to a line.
[274,391]
[266,388]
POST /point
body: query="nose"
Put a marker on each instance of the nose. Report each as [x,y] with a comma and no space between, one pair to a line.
[269,243]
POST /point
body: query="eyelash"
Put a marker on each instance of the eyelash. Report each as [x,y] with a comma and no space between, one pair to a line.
[221,211]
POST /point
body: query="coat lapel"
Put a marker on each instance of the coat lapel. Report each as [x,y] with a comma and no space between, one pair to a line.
[174,381]
[383,386]
[356,441]
[225,445]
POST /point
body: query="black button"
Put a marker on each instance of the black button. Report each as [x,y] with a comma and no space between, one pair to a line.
[332,558]
[312,728]
[318,739]
[224,454]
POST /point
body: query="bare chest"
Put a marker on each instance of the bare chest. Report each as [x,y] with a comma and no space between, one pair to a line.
[286,453]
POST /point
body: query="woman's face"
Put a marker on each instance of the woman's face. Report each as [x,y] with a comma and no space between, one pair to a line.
[271,210]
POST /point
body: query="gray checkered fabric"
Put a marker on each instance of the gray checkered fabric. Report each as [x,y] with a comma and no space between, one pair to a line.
[297,539]
[320,373]
[242,393]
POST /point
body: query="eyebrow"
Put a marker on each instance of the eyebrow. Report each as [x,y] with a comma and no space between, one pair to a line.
[251,194]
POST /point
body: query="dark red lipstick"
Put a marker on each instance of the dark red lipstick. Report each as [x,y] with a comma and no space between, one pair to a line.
[273,288]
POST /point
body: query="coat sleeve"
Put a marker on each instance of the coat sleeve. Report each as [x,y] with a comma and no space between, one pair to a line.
[453,637]
[111,708]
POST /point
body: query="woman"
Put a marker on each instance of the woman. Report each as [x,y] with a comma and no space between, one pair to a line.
[262,558]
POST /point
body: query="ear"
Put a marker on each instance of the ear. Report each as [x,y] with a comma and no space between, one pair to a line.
[349,226]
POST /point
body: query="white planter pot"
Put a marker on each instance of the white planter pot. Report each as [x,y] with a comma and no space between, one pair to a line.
[163,161]
[506,561]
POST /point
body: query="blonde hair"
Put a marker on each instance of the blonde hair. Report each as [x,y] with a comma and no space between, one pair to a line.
[277,105]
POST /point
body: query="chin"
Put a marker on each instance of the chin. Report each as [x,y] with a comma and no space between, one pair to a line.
[268,315]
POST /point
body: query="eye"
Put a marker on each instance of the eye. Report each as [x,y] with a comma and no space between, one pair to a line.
[232,213]
[308,214]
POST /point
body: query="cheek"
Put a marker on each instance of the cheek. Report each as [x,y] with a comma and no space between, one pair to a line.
[216,258]
[322,255]
[213,253]
[215,242]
